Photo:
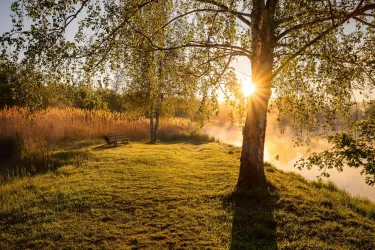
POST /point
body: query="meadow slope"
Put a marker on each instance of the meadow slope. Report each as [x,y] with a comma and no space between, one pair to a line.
[175,196]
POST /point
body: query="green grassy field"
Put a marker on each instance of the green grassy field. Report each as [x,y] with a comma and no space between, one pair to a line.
[175,196]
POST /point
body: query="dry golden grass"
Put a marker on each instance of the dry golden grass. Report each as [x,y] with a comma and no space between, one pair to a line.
[54,125]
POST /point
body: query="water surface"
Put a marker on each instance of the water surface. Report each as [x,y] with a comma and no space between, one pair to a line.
[282,145]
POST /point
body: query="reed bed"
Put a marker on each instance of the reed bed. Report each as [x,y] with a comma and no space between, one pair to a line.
[55,125]
[27,139]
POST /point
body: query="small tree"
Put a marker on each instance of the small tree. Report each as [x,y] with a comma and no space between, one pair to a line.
[156,79]
[154,93]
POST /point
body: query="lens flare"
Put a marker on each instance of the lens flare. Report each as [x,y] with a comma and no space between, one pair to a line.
[248,88]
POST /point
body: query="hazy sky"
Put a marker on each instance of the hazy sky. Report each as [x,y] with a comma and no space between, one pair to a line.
[5,20]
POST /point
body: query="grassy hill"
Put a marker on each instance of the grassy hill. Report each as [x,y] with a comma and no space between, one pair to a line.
[175,196]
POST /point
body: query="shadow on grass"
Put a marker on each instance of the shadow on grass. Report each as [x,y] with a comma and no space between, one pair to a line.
[253,226]
[71,157]
[68,144]
[109,146]
[191,142]
[191,138]
[39,162]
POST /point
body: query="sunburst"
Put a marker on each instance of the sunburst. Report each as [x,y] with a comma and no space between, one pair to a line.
[248,88]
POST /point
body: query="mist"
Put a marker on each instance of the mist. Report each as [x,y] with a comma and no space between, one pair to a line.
[281,145]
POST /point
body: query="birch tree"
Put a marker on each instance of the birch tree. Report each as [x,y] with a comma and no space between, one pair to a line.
[157,79]
[311,55]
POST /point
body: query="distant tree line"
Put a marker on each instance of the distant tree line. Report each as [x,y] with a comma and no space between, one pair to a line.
[20,86]
[24,87]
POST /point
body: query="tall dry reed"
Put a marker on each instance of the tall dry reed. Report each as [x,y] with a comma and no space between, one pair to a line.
[54,125]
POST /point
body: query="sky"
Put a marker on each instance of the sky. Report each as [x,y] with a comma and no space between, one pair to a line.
[5,20]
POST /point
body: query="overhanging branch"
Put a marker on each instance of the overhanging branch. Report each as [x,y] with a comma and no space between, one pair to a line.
[364,22]
[358,10]
[195,44]
[239,15]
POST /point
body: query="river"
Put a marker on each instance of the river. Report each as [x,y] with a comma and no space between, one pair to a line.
[282,145]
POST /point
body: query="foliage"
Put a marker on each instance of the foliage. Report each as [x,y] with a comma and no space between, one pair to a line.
[7,71]
[85,96]
[354,149]
[19,85]
[120,48]
[23,87]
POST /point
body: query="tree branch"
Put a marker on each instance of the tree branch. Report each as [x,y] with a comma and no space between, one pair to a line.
[221,56]
[358,10]
[364,22]
[239,15]
[186,14]
[300,26]
[331,12]
[74,16]
[224,69]
[195,44]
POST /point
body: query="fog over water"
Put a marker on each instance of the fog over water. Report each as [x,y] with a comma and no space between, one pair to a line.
[281,144]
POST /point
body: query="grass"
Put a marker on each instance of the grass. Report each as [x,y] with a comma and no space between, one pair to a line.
[175,196]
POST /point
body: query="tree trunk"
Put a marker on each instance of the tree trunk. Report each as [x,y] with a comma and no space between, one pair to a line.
[156,126]
[252,163]
[154,134]
[151,127]
[251,174]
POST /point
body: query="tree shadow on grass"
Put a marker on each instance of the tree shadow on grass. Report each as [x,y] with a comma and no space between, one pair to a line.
[253,226]
[191,138]
[68,144]
[71,157]
[39,162]
[109,146]
[191,142]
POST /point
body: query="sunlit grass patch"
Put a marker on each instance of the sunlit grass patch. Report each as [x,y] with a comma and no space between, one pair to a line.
[175,196]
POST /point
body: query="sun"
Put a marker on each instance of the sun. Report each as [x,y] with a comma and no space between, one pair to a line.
[248,88]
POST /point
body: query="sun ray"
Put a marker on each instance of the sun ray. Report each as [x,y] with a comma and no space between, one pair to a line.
[248,88]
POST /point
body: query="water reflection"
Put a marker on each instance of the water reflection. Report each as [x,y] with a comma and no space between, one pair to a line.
[282,145]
